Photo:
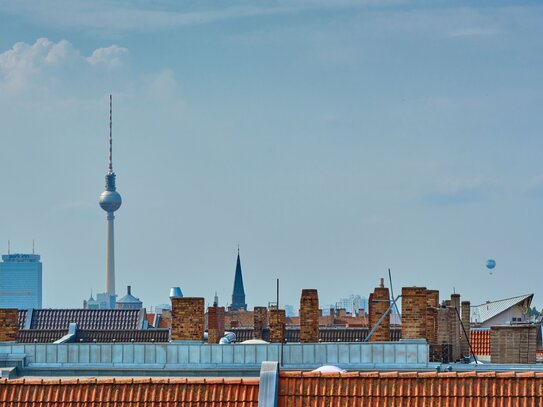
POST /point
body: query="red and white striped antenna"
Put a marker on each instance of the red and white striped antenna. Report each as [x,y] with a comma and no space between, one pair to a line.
[110,137]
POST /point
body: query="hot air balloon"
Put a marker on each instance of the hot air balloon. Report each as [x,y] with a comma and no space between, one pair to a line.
[490,264]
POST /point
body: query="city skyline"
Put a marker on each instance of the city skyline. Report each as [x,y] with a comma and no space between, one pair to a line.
[332,141]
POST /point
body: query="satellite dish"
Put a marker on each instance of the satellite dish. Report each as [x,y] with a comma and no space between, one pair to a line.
[490,264]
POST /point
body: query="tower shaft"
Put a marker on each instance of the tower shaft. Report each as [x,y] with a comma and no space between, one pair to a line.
[110,255]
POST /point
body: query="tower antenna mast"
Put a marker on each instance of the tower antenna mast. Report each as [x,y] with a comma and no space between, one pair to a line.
[110,135]
[110,201]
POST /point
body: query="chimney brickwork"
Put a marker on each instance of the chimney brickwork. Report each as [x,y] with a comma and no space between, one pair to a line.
[432,298]
[431,325]
[513,343]
[277,325]
[309,316]
[215,324]
[379,303]
[456,327]
[432,305]
[464,344]
[9,324]
[414,304]
[260,322]
[187,319]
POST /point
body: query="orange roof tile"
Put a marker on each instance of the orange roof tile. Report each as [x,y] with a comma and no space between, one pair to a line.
[295,389]
[480,341]
[131,391]
[415,388]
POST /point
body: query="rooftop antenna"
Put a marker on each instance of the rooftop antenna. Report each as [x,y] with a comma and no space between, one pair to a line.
[110,136]
[277,295]
[33,247]
[392,295]
[9,246]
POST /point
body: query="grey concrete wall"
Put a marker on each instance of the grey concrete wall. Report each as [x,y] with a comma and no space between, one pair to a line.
[180,355]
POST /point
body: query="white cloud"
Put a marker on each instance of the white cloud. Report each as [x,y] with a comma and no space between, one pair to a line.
[109,57]
[26,66]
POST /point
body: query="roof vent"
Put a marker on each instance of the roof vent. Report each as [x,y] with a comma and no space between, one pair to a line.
[175,292]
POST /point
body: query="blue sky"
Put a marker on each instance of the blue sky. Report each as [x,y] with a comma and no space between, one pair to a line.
[332,140]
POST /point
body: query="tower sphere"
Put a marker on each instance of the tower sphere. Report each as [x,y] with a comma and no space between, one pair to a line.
[110,201]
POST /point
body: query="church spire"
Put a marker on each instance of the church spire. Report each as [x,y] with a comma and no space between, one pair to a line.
[238,295]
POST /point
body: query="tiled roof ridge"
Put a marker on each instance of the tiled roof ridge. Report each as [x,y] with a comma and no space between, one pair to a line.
[134,380]
[503,299]
[82,309]
[414,374]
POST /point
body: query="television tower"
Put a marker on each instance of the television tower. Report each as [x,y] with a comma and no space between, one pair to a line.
[110,201]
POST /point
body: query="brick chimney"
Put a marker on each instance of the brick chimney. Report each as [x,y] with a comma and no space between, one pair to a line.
[215,324]
[456,327]
[432,305]
[260,321]
[187,318]
[379,302]
[309,316]
[9,324]
[464,344]
[414,303]
[277,325]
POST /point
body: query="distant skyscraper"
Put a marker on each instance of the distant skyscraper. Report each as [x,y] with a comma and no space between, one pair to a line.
[238,295]
[353,304]
[290,311]
[110,201]
[20,281]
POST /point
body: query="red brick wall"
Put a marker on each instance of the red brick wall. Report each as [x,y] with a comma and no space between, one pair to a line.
[215,324]
[513,343]
[187,319]
[379,303]
[9,327]
[414,303]
[277,325]
[309,316]
[260,321]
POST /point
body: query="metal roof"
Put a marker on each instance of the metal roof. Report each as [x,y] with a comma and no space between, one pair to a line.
[84,318]
[326,334]
[129,299]
[482,313]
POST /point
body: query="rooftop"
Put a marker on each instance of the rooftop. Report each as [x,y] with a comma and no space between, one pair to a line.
[483,312]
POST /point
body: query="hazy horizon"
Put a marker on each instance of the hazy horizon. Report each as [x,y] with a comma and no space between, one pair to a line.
[332,141]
